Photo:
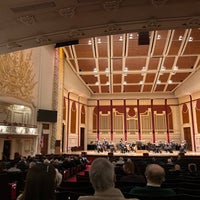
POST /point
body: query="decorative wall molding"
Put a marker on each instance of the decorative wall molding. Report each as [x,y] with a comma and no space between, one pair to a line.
[158,3]
[112,5]
[27,19]
[67,12]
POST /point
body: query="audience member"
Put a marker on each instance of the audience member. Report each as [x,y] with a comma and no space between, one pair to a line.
[3,167]
[40,183]
[155,176]
[130,175]
[102,177]
[58,174]
[13,167]
[192,169]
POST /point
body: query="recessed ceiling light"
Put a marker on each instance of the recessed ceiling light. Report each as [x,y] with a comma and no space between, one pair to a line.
[107,70]
[141,83]
[170,81]
[120,38]
[89,42]
[190,39]
[158,82]
[125,69]
[175,68]
[180,38]
[131,36]
[158,37]
[99,40]
[163,68]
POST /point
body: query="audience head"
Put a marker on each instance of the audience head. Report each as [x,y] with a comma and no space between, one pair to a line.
[40,183]
[102,174]
[129,167]
[192,167]
[155,174]
[177,167]
[31,164]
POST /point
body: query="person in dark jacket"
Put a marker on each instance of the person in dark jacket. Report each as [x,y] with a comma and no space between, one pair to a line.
[155,175]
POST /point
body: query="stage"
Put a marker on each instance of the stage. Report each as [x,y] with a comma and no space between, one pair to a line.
[138,153]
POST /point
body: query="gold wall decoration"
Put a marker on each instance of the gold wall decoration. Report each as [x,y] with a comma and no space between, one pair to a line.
[17,78]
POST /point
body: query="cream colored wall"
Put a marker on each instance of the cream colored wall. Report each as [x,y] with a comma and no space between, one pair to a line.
[190,86]
[73,84]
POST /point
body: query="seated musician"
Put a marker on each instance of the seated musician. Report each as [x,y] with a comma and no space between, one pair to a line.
[167,147]
[183,147]
[99,147]
[157,147]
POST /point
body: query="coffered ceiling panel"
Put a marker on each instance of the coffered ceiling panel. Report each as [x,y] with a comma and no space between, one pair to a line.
[120,64]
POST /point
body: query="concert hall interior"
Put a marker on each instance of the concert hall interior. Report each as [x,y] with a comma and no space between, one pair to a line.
[95,76]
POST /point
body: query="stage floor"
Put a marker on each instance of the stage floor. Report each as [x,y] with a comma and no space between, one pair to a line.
[138,153]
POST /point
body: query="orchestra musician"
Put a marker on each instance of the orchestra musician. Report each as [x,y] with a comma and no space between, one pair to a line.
[183,146]
[167,147]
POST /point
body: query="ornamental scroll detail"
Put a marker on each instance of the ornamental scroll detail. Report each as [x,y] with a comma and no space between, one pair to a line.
[17,78]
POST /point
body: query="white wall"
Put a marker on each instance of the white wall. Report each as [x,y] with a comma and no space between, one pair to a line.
[72,83]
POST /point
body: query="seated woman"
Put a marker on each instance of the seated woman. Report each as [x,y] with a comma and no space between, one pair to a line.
[40,183]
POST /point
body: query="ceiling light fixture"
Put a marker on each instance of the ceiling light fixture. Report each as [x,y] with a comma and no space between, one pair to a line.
[97,83]
[141,83]
[120,38]
[124,83]
[158,37]
[175,68]
[190,39]
[143,71]
[180,38]
[131,36]
[170,81]
[89,42]
[163,68]
[125,69]
[158,82]
[99,41]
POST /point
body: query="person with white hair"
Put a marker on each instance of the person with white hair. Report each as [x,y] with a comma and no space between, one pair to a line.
[102,178]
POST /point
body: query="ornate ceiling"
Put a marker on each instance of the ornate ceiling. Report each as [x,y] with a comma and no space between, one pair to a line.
[113,62]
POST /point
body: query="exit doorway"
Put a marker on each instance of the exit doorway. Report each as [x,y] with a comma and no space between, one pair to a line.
[6,150]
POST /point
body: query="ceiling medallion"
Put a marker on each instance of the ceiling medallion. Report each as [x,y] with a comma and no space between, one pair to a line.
[67,12]
[27,20]
[194,22]
[76,34]
[13,45]
[158,3]
[152,24]
[112,5]
[112,28]
[42,40]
